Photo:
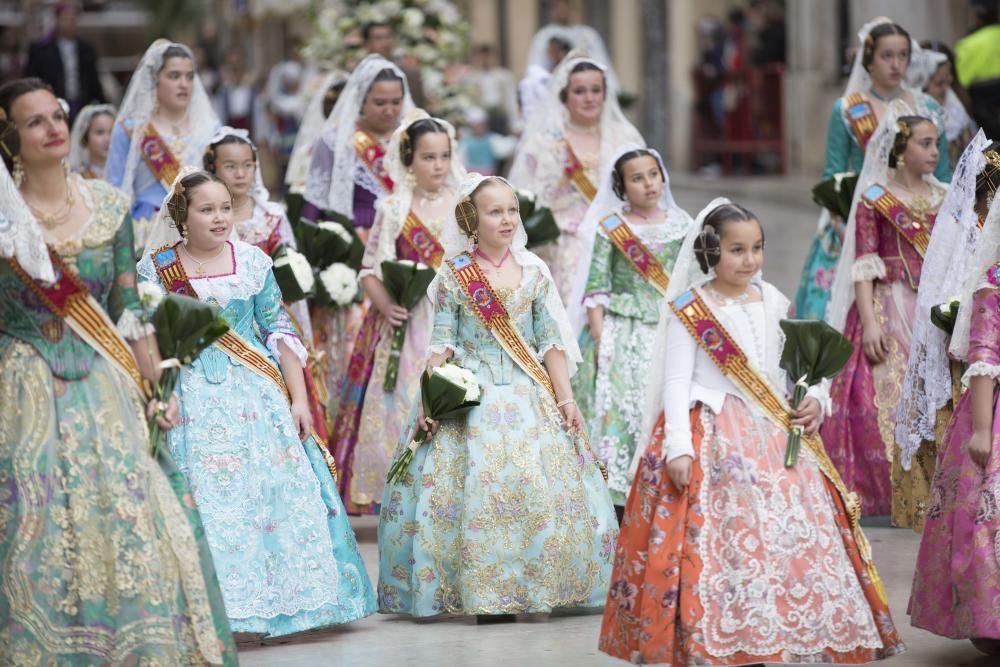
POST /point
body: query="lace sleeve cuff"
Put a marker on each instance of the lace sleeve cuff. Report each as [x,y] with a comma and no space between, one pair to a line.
[821,392]
[368,271]
[979,369]
[551,346]
[131,327]
[678,443]
[595,299]
[867,267]
[292,341]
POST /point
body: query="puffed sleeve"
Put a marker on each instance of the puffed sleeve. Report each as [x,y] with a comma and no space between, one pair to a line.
[273,322]
[114,170]
[984,335]
[598,290]
[838,142]
[545,329]
[678,374]
[123,300]
[868,265]
[447,311]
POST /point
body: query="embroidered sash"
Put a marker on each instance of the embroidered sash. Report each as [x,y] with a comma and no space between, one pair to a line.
[577,175]
[158,157]
[637,254]
[915,233]
[372,155]
[494,316]
[175,279]
[861,117]
[70,300]
[423,242]
[723,350]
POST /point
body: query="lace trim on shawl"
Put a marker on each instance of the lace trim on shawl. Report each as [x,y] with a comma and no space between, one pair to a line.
[252,269]
[131,327]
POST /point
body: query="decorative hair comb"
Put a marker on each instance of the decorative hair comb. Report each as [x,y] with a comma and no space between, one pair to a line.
[903,128]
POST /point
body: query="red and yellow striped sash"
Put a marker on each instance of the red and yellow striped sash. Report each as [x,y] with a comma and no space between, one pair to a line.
[423,242]
[637,254]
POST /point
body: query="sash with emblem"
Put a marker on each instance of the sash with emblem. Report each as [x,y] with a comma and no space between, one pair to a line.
[637,254]
[372,155]
[423,242]
[577,175]
[722,349]
[494,316]
[158,157]
[915,232]
[69,299]
[861,117]
[174,279]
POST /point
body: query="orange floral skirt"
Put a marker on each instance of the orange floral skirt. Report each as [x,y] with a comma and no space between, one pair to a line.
[755,563]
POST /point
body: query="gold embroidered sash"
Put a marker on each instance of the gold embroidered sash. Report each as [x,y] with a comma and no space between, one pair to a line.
[915,233]
[637,254]
[158,157]
[422,240]
[577,175]
[70,300]
[372,155]
[722,349]
[861,117]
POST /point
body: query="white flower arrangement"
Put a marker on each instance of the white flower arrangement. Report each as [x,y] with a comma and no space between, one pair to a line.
[150,296]
[301,269]
[336,228]
[340,282]
[952,305]
[461,377]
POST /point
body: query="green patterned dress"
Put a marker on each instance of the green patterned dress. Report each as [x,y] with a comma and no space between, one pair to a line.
[102,555]
[610,384]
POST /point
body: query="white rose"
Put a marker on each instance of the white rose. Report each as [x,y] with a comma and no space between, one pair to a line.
[301,269]
[150,295]
[336,228]
[461,377]
[413,17]
[340,282]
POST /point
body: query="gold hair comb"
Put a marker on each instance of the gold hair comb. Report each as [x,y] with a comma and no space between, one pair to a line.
[903,128]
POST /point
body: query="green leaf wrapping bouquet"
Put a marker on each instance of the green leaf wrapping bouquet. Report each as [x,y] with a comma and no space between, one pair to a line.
[407,283]
[330,252]
[447,392]
[943,315]
[539,223]
[836,193]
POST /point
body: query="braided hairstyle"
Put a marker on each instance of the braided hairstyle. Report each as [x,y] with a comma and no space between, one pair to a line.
[10,140]
[708,244]
[412,134]
[877,33]
[618,172]
[210,156]
[904,130]
[177,205]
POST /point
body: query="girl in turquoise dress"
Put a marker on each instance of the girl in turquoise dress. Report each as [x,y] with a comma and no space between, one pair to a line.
[101,555]
[888,65]
[287,558]
[506,511]
[615,303]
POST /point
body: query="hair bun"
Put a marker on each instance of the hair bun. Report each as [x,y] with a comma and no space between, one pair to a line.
[707,248]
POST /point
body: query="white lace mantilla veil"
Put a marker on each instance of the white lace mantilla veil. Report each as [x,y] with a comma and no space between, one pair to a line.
[875,170]
[606,203]
[20,234]
[923,64]
[308,133]
[339,127]
[79,155]
[261,197]
[139,104]
[394,208]
[164,231]
[538,164]
[927,384]
[581,38]
[454,242]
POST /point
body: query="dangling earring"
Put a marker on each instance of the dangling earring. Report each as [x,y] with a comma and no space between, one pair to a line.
[65,166]
[475,239]
[184,234]
[18,171]
[411,179]
[900,162]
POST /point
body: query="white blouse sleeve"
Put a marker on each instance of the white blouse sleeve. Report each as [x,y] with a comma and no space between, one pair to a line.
[681,351]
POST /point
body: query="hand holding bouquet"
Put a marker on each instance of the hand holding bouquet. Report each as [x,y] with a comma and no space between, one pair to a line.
[407,283]
[447,392]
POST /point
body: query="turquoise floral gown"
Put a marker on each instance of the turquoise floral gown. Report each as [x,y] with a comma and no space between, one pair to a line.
[286,556]
[631,313]
[505,512]
[845,154]
[102,556]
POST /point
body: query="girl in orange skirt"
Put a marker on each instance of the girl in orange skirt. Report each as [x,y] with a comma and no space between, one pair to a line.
[727,557]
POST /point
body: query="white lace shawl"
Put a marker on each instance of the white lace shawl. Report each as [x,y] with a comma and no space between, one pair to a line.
[308,134]
[582,38]
[927,384]
[20,234]
[986,255]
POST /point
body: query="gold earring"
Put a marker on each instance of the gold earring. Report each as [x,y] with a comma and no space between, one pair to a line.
[411,179]
[184,234]
[18,171]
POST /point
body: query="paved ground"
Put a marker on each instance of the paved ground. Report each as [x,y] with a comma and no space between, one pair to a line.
[789,223]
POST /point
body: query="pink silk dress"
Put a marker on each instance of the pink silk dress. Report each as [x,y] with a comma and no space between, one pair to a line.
[956,587]
[859,436]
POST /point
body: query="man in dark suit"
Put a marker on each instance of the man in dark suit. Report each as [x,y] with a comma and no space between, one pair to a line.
[66,63]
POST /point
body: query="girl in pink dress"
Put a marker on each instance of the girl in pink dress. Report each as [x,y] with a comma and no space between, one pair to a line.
[956,588]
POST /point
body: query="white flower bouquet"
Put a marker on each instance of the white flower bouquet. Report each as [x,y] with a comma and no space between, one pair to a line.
[294,274]
[338,285]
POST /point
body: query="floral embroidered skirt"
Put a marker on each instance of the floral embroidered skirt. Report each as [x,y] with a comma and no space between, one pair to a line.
[754,563]
[503,513]
[813,293]
[956,587]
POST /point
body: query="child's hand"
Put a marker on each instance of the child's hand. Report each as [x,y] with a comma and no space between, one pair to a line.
[572,417]
[875,344]
[394,314]
[166,413]
[980,447]
[429,426]
[679,471]
[808,415]
[302,418]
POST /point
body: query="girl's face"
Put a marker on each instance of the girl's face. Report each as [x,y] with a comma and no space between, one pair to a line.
[497,214]
[209,216]
[234,164]
[585,96]
[742,252]
[174,84]
[41,126]
[643,181]
[921,154]
[380,112]
[890,61]
[431,160]
[99,137]
[939,84]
